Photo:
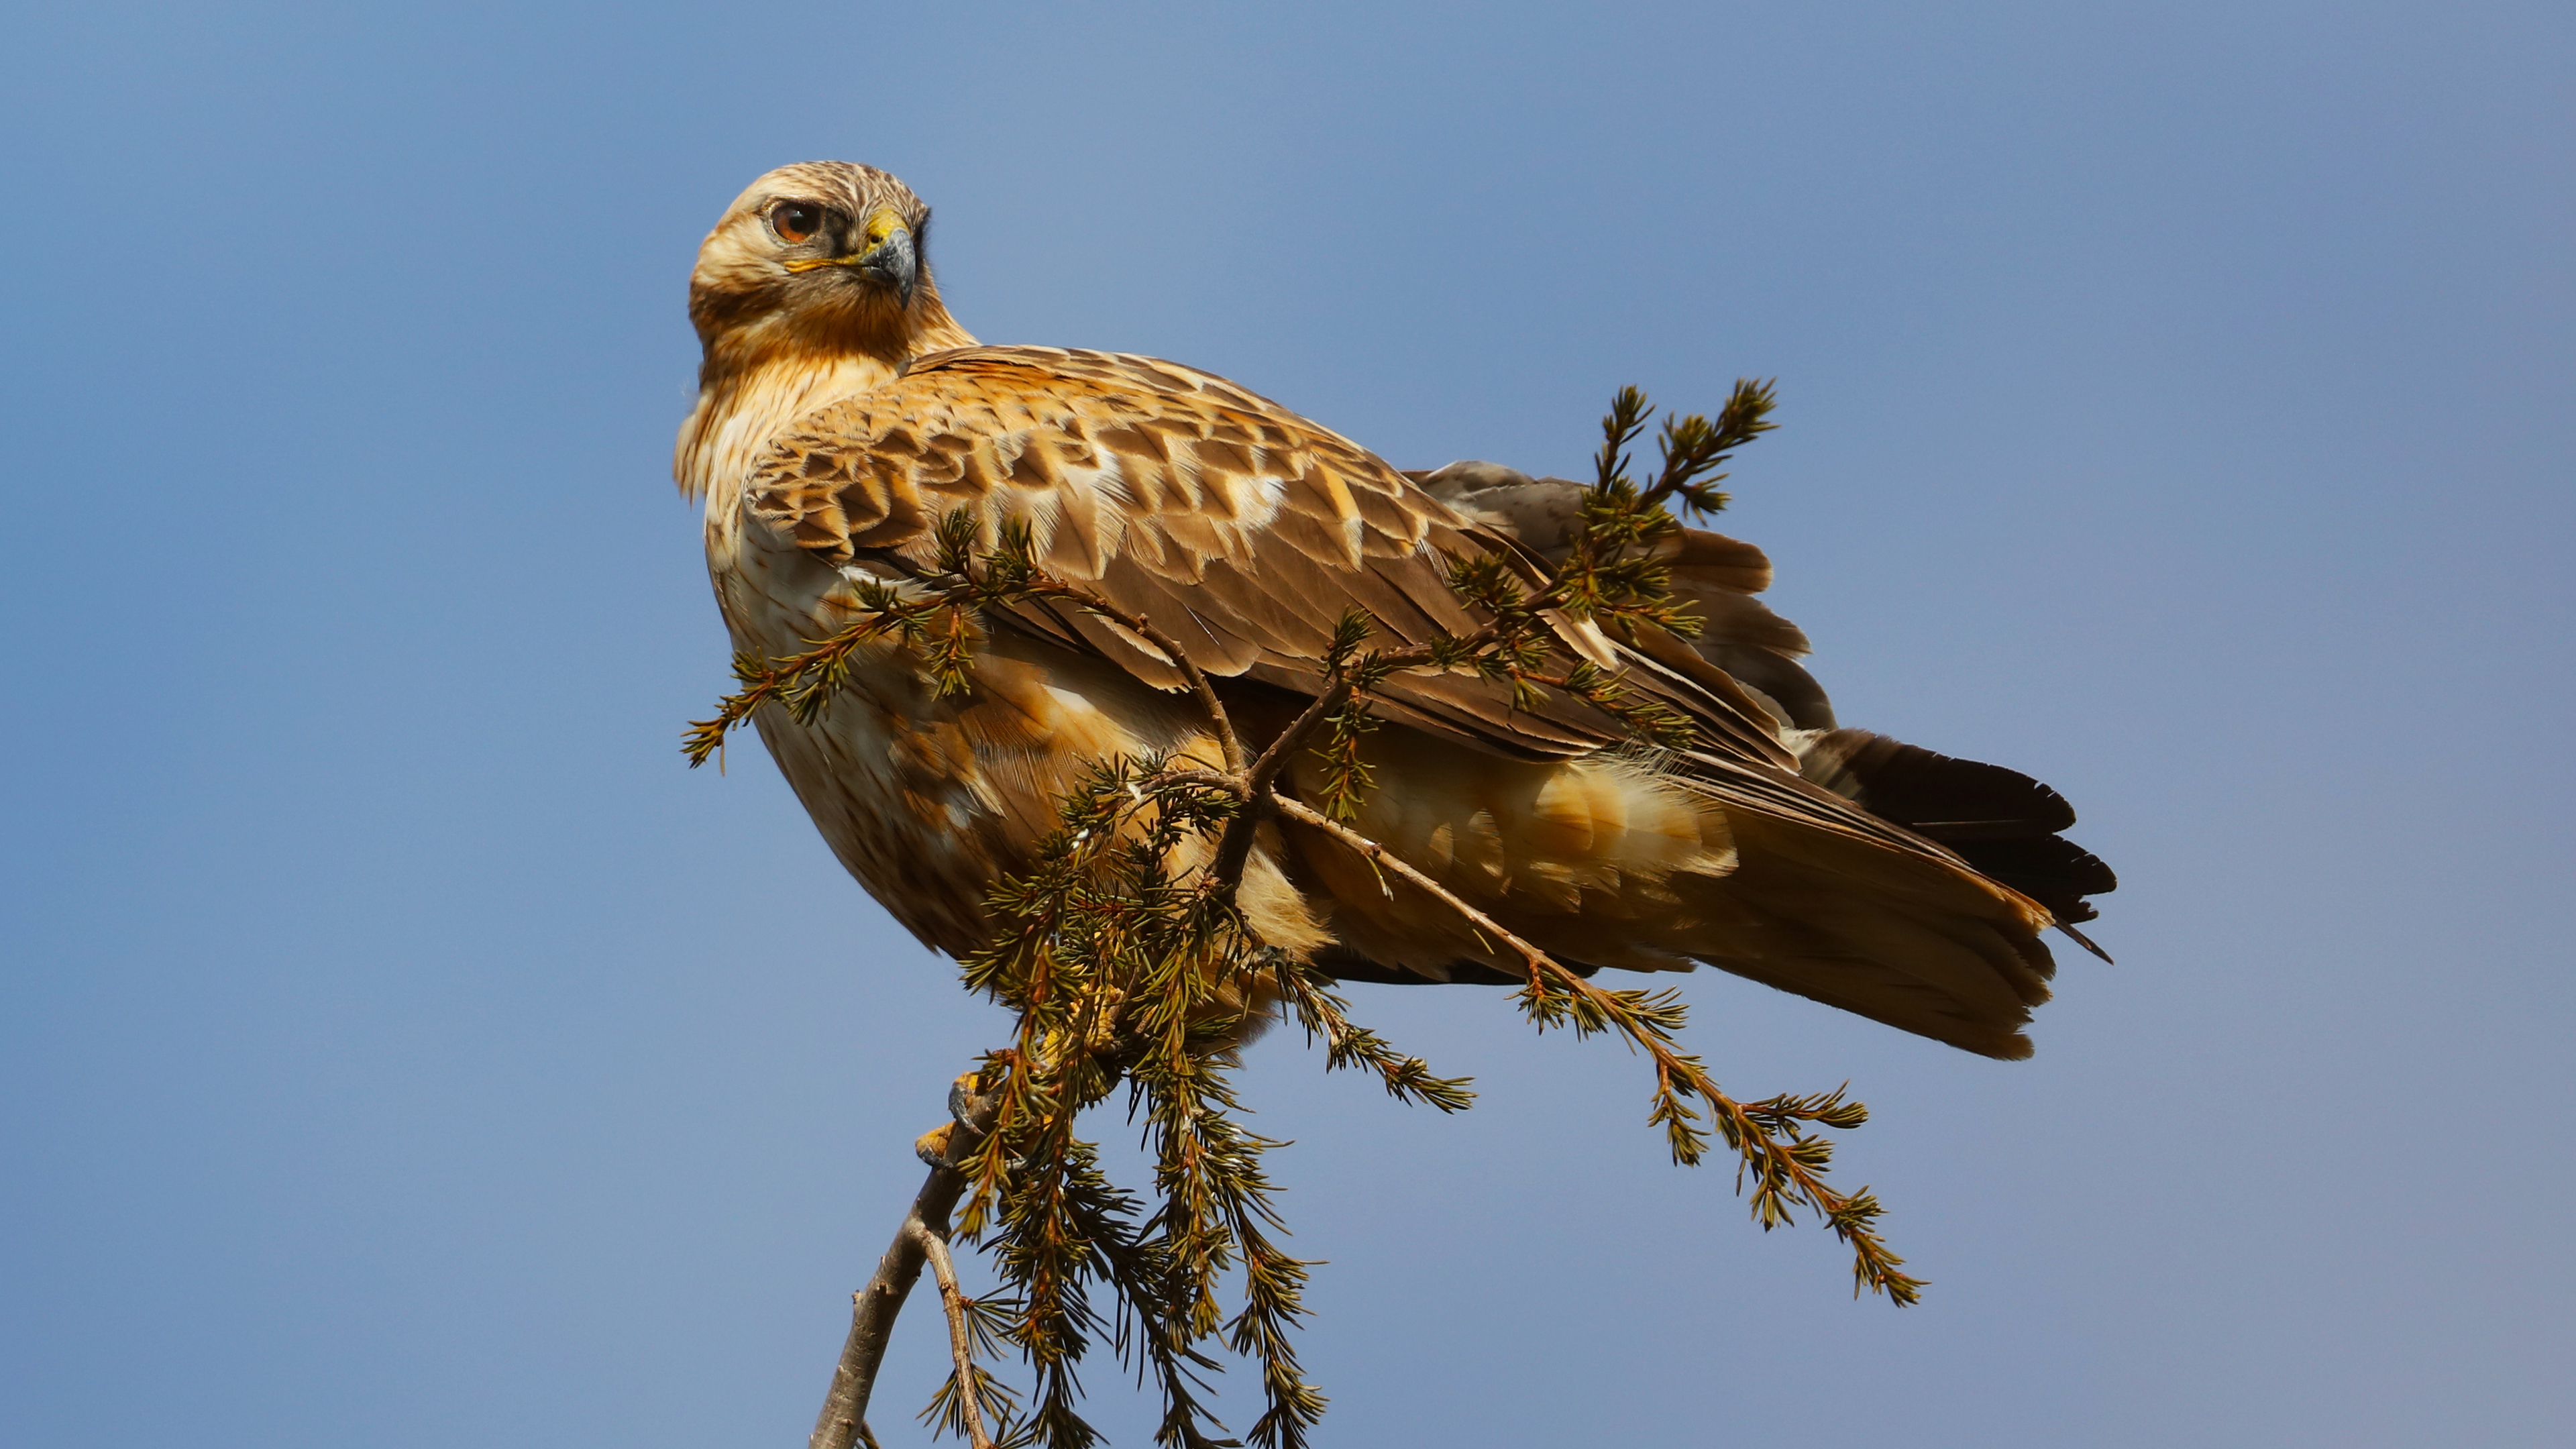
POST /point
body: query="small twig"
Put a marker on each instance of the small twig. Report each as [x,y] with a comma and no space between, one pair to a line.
[1219,722]
[1532,958]
[1162,780]
[961,1342]
[1274,758]
[1253,782]
[843,1422]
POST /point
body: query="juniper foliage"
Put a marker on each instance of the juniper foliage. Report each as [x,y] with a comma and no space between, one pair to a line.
[1126,962]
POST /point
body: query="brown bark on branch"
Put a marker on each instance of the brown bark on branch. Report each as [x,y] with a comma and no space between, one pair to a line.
[843,1422]
[961,1340]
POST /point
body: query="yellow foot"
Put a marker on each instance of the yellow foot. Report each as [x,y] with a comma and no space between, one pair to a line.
[932,1146]
[964,1090]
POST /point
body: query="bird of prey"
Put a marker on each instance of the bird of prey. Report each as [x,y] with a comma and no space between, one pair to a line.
[842,412]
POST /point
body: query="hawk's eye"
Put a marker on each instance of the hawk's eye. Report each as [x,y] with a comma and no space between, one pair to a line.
[795,221]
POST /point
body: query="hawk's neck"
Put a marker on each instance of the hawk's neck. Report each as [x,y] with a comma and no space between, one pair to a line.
[745,401]
[739,412]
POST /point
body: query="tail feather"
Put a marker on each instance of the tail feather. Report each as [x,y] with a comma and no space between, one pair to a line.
[1895,936]
[2001,821]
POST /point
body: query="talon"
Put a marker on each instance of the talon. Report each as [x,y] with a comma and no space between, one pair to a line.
[962,1092]
[932,1146]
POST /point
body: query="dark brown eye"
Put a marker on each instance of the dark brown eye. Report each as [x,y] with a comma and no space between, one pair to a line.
[795,221]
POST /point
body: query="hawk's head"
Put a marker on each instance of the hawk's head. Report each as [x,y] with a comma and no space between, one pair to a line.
[822,256]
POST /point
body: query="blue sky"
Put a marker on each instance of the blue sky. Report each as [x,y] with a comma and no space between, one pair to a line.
[398,1046]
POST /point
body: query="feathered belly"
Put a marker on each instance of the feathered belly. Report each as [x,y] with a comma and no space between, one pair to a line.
[923,843]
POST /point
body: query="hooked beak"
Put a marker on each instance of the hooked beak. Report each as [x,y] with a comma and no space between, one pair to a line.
[893,261]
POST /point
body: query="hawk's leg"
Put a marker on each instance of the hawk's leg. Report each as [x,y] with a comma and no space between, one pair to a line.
[932,1146]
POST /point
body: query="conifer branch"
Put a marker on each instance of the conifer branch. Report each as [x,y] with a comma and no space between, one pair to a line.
[1324,1014]
[1125,960]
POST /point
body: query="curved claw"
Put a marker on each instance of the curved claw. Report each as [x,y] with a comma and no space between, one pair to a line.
[962,1093]
[932,1146]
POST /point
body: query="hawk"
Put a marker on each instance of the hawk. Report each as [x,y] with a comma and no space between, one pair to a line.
[842,412]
